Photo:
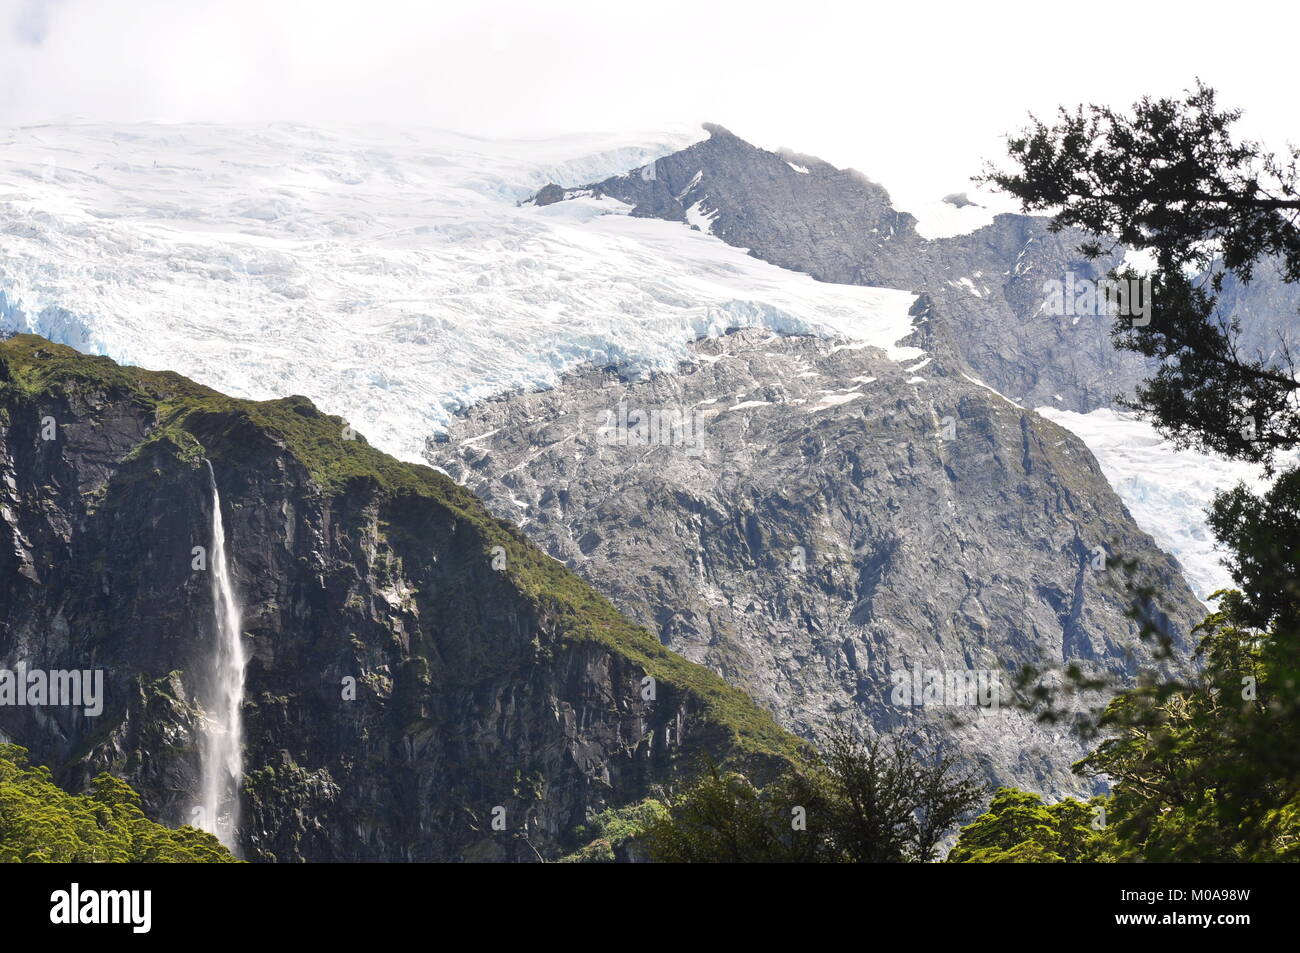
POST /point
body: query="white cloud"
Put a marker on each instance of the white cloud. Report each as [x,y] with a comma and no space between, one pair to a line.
[916,95]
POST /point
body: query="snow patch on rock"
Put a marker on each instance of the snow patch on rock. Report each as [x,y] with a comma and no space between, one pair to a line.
[1166,489]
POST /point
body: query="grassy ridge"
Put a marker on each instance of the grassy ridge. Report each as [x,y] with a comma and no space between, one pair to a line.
[34,369]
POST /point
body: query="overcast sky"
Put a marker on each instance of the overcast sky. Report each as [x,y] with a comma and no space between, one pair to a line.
[915,94]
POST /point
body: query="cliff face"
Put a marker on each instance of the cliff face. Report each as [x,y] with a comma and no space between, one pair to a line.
[834,519]
[985,288]
[486,676]
[939,525]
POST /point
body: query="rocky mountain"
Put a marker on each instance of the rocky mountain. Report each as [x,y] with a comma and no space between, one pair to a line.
[826,520]
[1267,313]
[985,287]
[407,280]
[417,670]
[973,550]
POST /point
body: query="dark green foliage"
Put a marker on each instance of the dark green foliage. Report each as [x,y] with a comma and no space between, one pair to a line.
[1171,180]
[1199,765]
[1019,828]
[40,822]
[613,829]
[723,818]
[1167,176]
[1262,534]
[1202,770]
[1204,765]
[858,802]
[882,801]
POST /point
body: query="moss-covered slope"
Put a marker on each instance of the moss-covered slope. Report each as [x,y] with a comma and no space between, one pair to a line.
[487,674]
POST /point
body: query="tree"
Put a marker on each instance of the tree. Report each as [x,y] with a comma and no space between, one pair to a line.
[872,801]
[723,818]
[614,833]
[1202,767]
[1019,828]
[39,822]
[1170,179]
[880,801]
[1198,770]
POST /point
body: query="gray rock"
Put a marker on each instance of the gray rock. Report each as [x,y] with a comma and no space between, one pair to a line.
[985,288]
[842,520]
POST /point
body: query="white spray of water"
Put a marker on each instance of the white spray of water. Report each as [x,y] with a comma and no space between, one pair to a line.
[222,746]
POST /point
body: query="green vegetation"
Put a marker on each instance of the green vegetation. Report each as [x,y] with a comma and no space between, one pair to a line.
[1203,769]
[197,421]
[613,829]
[1019,828]
[1200,770]
[723,818]
[858,802]
[40,822]
[1170,179]
[1204,765]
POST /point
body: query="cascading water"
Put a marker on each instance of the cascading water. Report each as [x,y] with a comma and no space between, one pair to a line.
[221,765]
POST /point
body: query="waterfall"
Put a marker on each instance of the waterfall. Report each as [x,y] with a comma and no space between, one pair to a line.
[221,752]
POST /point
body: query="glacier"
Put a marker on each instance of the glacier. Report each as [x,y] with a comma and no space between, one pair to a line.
[1166,488]
[391,275]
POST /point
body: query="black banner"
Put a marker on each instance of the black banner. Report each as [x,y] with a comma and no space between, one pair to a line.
[931,902]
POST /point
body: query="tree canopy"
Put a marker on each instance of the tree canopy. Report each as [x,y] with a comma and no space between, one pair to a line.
[868,801]
[1170,180]
[40,822]
[1203,766]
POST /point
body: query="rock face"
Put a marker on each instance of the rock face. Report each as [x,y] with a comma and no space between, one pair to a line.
[486,676]
[985,288]
[825,521]
[935,525]
[1267,311]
